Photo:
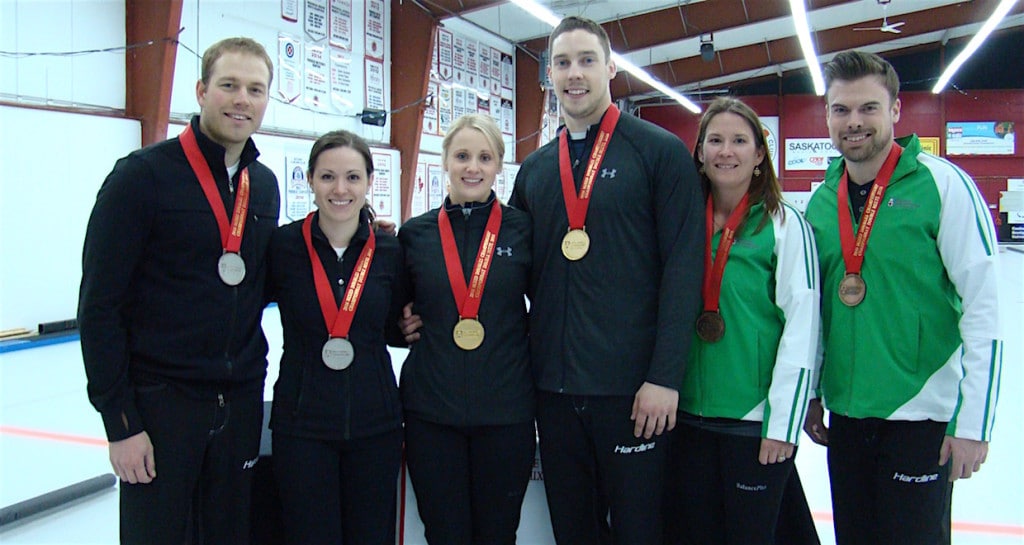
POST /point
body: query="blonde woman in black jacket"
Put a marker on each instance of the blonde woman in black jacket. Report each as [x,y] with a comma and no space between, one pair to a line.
[466,385]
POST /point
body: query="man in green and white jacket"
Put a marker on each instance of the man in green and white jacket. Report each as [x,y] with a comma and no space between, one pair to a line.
[910,372]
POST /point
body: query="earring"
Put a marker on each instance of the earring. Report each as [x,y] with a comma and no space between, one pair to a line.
[701,170]
[757,171]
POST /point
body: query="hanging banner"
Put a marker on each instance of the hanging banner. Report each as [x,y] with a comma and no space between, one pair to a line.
[383,182]
[444,109]
[508,117]
[343,96]
[290,10]
[419,191]
[430,111]
[459,103]
[472,59]
[297,195]
[315,21]
[341,24]
[495,110]
[435,197]
[445,54]
[316,81]
[289,69]
[459,59]
[511,170]
[508,72]
[483,78]
[495,75]
[375,29]
[374,84]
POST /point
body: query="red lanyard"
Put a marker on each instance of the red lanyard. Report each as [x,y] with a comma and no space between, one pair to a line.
[338,320]
[853,249]
[712,289]
[467,299]
[576,207]
[231,238]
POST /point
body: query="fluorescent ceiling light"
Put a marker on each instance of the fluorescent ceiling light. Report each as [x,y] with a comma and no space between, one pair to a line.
[997,16]
[546,15]
[621,62]
[803,31]
[538,11]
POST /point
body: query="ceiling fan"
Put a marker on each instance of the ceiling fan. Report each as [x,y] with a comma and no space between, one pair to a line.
[892,28]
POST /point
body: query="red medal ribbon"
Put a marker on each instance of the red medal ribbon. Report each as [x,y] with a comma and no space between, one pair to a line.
[467,299]
[853,249]
[231,238]
[712,289]
[338,320]
[576,207]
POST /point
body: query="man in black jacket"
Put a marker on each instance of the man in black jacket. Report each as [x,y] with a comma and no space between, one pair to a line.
[170,306]
[618,234]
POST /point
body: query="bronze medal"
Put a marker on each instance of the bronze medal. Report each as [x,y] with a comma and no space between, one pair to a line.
[710,326]
[231,268]
[575,244]
[852,289]
[338,353]
[468,334]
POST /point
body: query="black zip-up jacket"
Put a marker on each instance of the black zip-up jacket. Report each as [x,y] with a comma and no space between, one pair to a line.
[310,399]
[152,306]
[625,313]
[441,382]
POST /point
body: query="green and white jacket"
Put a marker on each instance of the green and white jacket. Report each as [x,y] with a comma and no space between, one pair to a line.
[925,342]
[762,369]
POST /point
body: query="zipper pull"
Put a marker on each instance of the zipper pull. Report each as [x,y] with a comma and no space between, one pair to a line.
[220,400]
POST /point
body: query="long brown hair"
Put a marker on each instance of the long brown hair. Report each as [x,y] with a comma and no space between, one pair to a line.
[764,188]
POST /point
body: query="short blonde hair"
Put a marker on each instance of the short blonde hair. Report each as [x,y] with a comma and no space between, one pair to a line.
[481,122]
[240,44]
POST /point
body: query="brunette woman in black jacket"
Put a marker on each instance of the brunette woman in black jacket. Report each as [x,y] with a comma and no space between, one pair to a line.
[466,385]
[337,417]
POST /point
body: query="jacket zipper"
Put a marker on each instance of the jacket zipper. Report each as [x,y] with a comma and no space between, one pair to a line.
[347,389]
[231,329]
[568,291]
[234,311]
[465,355]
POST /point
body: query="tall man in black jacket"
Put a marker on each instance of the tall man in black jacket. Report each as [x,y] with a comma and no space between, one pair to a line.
[616,288]
[170,306]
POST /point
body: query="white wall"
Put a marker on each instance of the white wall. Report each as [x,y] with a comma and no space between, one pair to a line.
[51,166]
[34,26]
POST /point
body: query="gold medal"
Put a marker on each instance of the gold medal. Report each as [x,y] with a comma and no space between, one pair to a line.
[852,289]
[710,326]
[575,244]
[468,334]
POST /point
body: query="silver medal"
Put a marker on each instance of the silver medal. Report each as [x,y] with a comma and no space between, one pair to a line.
[338,353]
[231,268]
